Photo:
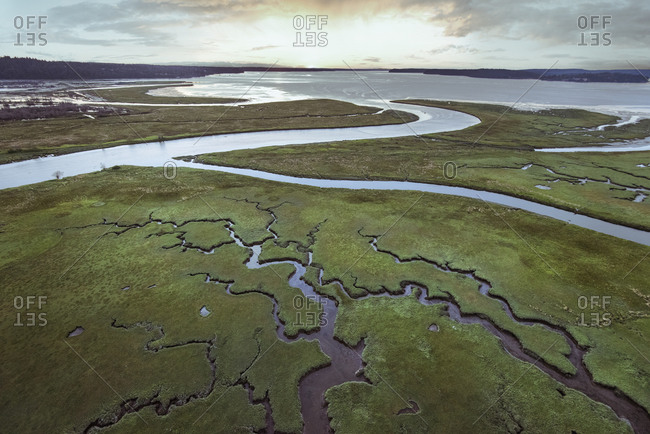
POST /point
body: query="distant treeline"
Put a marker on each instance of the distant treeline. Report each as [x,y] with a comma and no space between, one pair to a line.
[35,69]
[28,69]
[579,75]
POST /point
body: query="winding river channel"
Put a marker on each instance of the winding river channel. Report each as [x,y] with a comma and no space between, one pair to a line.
[159,154]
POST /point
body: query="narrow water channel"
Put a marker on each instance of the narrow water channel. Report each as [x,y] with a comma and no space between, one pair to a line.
[346,363]
[619,231]
[163,154]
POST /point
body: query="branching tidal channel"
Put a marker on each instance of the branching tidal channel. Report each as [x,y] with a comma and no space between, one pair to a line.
[346,363]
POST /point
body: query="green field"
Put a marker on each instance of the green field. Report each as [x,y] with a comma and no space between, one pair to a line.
[26,139]
[179,335]
[147,348]
[488,156]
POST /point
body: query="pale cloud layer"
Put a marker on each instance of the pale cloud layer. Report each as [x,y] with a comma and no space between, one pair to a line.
[383,33]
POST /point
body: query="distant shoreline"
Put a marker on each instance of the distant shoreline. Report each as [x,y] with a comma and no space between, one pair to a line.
[21,68]
[572,75]
[15,68]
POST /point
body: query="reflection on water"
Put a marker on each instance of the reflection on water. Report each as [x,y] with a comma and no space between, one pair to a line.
[157,153]
[367,88]
[625,99]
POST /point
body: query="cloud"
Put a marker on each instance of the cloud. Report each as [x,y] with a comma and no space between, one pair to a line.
[205,10]
[453,48]
[140,33]
[265,47]
[550,21]
[74,39]
[85,13]
[131,24]
[553,21]
[474,27]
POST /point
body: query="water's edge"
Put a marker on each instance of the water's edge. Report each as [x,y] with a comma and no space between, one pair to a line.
[601,226]
[163,154]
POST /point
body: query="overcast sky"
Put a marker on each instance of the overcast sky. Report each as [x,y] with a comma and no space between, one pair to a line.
[365,34]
